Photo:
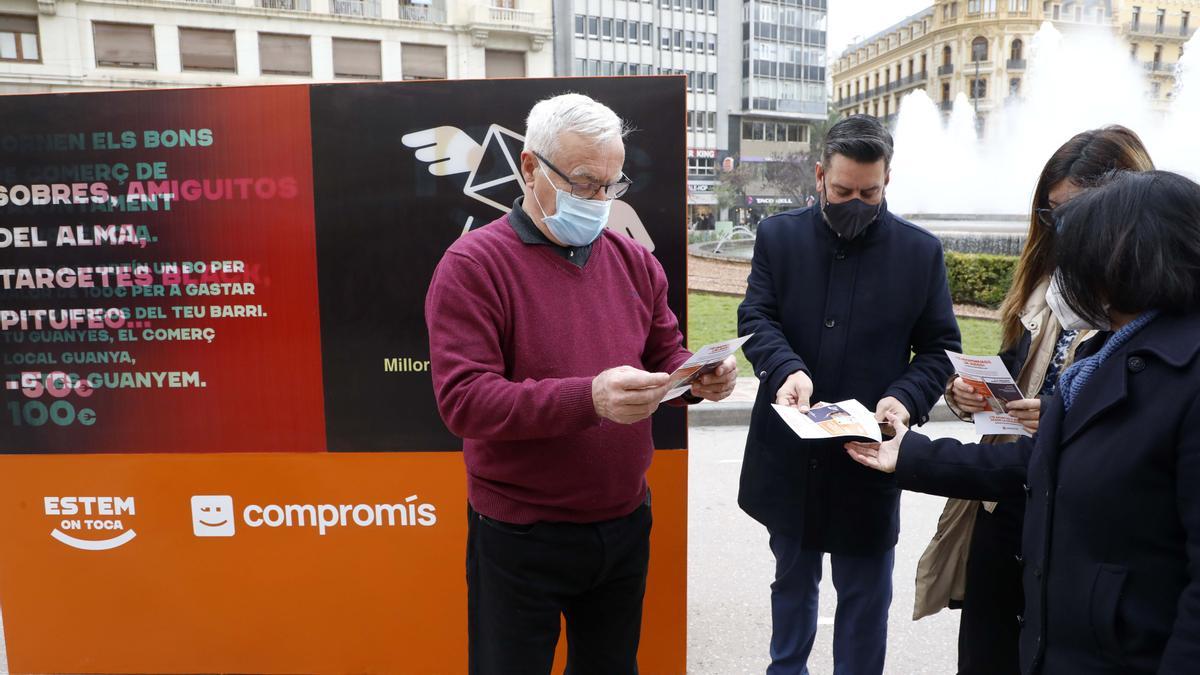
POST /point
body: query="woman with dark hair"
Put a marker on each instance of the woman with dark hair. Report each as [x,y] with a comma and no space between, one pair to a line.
[972,561]
[1111,539]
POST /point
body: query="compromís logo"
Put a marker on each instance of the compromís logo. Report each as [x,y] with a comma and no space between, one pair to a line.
[213,515]
[89,517]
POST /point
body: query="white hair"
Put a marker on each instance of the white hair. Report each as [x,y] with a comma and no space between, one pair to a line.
[552,117]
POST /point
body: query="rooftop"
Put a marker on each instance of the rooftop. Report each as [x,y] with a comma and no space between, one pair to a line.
[927,12]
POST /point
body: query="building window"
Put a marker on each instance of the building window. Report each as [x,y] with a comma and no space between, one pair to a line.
[689,40]
[664,38]
[1018,50]
[712,121]
[422,62]
[979,49]
[606,29]
[1184,20]
[19,38]
[580,25]
[712,43]
[678,42]
[647,33]
[124,45]
[1133,51]
[712,83]
[972,6]
[946,54]
[203,49]
[1160,21]
[702,166]
[945,92]
[1137,18]
[1014,86]
[620,33]
[357,59]
[1057,12]
[1155,89]
[284,54]
[499,63]
[593,26]
[979,88]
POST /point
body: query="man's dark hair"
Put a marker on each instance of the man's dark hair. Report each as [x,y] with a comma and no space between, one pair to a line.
[1133,243]
[861,138]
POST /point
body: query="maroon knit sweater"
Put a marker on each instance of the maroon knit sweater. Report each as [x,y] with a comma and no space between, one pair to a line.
[516,335]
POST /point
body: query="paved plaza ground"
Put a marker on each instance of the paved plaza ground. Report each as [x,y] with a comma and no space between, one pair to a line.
[730,568]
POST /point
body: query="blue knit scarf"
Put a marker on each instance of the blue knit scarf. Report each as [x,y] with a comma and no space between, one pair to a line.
[1075,378]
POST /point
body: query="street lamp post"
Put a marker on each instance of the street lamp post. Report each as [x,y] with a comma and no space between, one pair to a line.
[975,95]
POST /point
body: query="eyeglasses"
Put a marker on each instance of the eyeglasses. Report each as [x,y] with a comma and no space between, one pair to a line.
[1047,218]
[589,190]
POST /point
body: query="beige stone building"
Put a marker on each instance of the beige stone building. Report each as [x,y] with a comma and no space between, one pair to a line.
[980,48]
[88,45]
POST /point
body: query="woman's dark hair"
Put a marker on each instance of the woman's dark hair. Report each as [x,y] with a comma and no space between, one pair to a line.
[1082,160]
[1132,244]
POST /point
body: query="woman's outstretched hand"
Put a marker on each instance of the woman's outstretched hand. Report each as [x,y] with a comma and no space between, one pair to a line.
[880,456]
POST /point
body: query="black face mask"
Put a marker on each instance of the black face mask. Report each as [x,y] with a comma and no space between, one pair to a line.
[850,219]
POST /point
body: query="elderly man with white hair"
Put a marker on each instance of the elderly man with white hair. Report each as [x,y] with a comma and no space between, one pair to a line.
[551,342]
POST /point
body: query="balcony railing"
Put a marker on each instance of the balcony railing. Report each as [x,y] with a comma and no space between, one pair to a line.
[293,5]
[946,106]
[1159,67]
[364,8]
[946,69]
[422,13]
[1166,33]
[212,2]
[1016,64]
[517,18]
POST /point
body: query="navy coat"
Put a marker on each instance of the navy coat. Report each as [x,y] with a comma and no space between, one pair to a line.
[1111,542]
[849,314]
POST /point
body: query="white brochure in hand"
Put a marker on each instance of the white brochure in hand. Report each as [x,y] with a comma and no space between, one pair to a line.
[988,376]
[704,361]
[849,420]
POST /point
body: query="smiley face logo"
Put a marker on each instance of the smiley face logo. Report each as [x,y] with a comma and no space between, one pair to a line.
[212,515]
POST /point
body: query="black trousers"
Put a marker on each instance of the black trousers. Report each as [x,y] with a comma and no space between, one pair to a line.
[988,629]
[522,578]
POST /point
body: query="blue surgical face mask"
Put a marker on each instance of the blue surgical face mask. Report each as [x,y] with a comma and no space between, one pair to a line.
[576,221]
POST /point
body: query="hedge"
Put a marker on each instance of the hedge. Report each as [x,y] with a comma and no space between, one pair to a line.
[979,278]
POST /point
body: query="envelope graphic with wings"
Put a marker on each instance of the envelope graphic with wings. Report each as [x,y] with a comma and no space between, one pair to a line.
[493,170]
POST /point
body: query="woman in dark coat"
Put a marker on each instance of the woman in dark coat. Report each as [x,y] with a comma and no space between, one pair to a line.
[1111,541]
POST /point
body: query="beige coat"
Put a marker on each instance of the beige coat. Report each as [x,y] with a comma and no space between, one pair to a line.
[942,571]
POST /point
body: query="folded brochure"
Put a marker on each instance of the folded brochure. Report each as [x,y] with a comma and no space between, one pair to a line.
[847,420]
[989,377]
[704,361]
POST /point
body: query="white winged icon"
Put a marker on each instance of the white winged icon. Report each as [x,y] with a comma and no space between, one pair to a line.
[493,169]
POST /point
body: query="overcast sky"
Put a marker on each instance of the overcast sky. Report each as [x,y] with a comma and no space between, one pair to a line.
[853,19]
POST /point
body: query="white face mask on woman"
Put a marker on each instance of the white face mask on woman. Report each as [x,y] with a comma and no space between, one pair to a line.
[1067,317]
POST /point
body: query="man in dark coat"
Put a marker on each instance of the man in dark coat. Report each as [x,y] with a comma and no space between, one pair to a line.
[847,301]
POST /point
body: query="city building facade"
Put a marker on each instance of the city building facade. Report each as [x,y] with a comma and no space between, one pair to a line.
[782,92]
[652,37]
[980,48]
[750,65]
[82,45]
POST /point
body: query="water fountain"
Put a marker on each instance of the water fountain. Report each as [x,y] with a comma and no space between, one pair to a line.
[976,192]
